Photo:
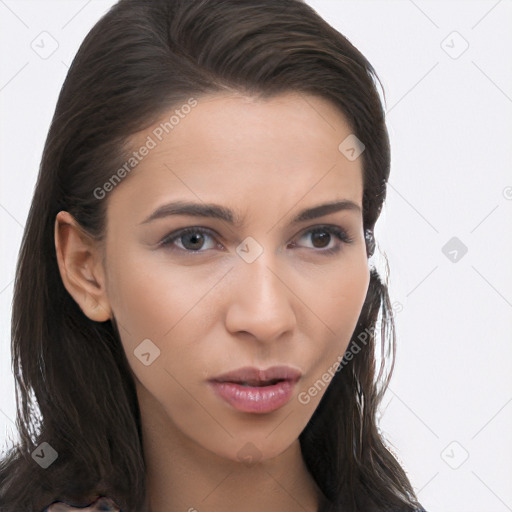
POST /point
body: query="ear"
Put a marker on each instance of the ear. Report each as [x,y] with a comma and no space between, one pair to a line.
[80,266]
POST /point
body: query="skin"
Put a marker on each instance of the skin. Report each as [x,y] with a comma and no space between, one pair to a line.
[211,311]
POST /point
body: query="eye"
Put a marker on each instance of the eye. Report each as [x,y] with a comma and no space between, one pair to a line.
[189,239]
[197,239]
[322,238]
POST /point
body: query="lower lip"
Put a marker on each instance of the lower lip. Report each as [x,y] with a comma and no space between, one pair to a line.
[255,399]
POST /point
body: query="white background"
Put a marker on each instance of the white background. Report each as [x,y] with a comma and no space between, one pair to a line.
[448,412]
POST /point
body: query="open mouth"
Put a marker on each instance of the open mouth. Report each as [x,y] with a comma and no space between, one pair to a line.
[258,384]
[255,377]
[254,395]
[252,389]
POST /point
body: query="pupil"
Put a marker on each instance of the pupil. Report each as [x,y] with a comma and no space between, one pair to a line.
[196,239]
[320,239]
[321,236]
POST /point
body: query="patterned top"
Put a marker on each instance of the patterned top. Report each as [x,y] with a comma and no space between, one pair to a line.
[101,503]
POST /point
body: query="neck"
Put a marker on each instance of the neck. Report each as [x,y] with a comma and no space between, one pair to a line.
[183,476]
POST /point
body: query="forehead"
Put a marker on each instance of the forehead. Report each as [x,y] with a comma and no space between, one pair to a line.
[230,147]
[240,123]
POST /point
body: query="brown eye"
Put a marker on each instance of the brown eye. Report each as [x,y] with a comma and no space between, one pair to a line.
[322,236]
[320,239]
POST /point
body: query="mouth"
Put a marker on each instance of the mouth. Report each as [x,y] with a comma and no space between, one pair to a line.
[256,391]
[256,383]
[255,377]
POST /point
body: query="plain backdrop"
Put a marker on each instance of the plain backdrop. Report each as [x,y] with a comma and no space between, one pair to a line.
[446,226]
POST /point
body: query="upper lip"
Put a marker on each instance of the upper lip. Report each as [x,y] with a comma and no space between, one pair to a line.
[253,375]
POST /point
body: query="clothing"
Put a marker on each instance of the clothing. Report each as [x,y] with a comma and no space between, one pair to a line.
[101,503]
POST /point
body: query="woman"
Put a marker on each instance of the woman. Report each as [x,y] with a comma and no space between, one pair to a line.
[203,318]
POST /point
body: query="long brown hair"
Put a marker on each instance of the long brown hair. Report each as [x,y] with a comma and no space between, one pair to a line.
[142,58]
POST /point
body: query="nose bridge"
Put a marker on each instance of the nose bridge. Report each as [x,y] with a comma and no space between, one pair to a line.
[263,280]
[260,303]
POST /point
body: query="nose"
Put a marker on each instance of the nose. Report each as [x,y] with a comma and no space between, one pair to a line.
[260,301]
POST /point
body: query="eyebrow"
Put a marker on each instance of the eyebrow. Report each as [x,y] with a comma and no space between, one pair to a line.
[216,211]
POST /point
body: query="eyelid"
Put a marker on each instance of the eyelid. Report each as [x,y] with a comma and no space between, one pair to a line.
[339,232]
[167,240]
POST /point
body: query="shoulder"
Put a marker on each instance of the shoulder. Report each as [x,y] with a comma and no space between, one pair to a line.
[100,504]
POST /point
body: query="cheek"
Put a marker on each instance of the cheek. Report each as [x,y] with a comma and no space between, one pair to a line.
[141,303]
[178,309]
[147,293]
[338,304]
[346,295]
[160,317]
[157,301]
[336,294]
[153,299]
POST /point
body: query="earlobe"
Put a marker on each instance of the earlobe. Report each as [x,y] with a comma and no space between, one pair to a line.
[80,267]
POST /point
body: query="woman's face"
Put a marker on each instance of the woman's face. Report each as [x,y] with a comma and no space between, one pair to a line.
[259,290]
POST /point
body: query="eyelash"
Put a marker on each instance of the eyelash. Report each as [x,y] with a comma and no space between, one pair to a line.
[339,233]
